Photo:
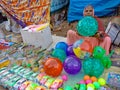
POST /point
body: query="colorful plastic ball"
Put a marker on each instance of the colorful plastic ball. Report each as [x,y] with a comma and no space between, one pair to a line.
[97,85]
[53,67]
[70,50]
[93,67]
[60,54]
[86,46]
[61,45]
[88,26]
[86,77]
[77,86]
[82,82]
[65,77]
[82,87]
[72,64]
[93,78]
[88,81]
[101,81]
[91,85]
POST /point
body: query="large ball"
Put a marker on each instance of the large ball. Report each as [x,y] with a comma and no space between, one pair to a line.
[72,64]
[70,50]
[93,67]
[60,54]
[61,45]
[88,26]
[53,67]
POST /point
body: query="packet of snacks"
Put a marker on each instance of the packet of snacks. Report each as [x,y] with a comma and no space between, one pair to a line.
[18,83]
[33,76]
[24,85]
[49,82]
[57,84]
[44,80]
[39,77]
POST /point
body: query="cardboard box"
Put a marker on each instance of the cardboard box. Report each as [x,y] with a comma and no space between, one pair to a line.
[42,38]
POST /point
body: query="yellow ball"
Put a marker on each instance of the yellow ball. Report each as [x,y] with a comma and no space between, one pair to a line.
[91,85]
[101,81]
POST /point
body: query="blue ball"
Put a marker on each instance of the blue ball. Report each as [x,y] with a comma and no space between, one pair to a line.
[61,45]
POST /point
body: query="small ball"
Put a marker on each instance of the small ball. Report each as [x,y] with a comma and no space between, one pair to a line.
[86,77]
[88,81]
[91,85]
[93,78]
[101,81]
[65,77]
[97,85]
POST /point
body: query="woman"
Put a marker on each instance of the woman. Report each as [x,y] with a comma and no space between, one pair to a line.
[100,39]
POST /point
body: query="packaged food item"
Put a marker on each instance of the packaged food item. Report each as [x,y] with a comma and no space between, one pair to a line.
[24,85]
[44,80]
[40,88]
[32,86]
[57,84]
[49,82]
[39,77]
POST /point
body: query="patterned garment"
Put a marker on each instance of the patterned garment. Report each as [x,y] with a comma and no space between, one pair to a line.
[27,12]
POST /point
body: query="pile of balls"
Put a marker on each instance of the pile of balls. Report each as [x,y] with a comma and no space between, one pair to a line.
[91,83]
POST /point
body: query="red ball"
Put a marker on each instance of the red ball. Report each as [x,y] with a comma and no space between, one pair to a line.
[53,67]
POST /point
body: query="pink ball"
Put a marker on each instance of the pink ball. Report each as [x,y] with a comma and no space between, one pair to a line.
[82,82]
[65,77]
[88,81]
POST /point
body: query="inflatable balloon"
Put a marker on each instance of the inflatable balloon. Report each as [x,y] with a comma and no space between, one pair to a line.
[70,50]
[98,52]
[77,43]
[60,54]
[77,52]
[61,45]
[72,64]
[88,26]
[93,67]
[53,67]
[86,46]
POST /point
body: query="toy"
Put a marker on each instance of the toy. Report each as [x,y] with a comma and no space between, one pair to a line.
[72,64]
[60,54]
[86,77]
[96,84]
[91,86]
[61,45]
[70,50]
[40,88]
[93,78]
[82,87]
[82,82]
[88,65]
[88,81]
[64,77]
[99,53]
[101,81]
[53,67]
[68,88]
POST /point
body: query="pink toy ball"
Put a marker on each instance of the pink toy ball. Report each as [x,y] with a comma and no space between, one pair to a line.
[64,77]
[88,81]
[82,82]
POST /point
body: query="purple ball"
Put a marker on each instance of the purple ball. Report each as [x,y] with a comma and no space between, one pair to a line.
[72,64]
[70,50]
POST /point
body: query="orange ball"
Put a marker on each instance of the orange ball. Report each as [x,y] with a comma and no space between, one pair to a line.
[86,77]
[53,67]
[93,79]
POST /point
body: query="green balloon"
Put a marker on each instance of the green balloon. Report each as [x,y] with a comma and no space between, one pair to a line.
[88,26]
[93,67]
[99,52]
[60,54]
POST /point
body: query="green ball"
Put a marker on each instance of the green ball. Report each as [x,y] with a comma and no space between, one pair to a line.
[88,26]
[101,81]
[93,67]
[60,54]
[82,87]
[68,88]
[96,84]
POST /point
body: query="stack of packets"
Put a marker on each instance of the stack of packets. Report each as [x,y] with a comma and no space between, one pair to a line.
[20,78]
